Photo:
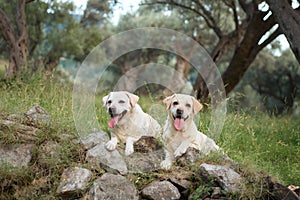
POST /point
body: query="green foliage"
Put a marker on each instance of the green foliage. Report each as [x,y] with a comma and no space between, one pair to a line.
[201,192]
[271,84]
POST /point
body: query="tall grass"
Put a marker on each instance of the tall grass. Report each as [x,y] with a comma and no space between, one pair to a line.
[255,140]
[19,95]
[270,144]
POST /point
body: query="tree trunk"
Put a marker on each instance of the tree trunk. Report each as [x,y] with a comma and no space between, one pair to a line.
[17,40]
[246,52]
[250,32]
[289,22]
[225,43]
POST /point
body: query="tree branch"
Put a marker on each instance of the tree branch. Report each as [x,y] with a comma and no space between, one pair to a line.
[6,28]
[273,36]
[206,14]
[247,7]
[209,19]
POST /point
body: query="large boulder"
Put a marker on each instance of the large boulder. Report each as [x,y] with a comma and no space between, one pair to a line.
[110,186]
[160,190]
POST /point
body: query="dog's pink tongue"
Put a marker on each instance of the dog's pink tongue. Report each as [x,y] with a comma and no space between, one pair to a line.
[113,121]
[179,123]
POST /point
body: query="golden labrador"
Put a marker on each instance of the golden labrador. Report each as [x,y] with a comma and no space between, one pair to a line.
[128,122]
[180,131]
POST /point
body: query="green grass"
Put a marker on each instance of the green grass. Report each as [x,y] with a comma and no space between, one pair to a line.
[258,142]
[3,66]
[271,144]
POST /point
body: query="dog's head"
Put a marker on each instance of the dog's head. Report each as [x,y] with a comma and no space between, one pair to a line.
[118,104]
[181,108]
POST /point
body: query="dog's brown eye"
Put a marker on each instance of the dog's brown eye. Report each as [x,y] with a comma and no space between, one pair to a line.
[175,103]
[109,102]
[121,101]
[188,105]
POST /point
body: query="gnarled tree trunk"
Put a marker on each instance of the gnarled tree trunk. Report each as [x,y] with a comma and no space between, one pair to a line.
[289,22]
[17,40]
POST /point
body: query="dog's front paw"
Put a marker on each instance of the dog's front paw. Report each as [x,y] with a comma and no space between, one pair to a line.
[111,145]
[179,152]
[166,164]
[129,150]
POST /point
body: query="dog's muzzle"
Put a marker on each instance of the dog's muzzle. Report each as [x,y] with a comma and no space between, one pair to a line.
[179,114]
[115,118]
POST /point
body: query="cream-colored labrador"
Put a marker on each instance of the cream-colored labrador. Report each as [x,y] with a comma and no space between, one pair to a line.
[180,131]
[128,122]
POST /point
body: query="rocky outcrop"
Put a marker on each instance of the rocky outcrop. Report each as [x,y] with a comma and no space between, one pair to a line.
[110,174]
[36,116]
[19,133]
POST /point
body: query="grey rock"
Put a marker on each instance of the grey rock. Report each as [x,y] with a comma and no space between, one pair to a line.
[148,154]
[99,156]
[74,180]
[20,118]
[17,131]
[144,162]
[110,186]
[160,190]
[228,179]
[180,183]
[190,156]
[147,144]
[93,139]
[17,155]
[278,191]
[38,117]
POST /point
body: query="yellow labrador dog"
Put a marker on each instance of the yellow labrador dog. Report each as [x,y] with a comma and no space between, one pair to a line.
[128,122]
[180,131]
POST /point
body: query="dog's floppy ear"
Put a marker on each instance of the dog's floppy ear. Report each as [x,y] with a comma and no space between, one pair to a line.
[133,98]
[197,106]
[104,100]
[167,101]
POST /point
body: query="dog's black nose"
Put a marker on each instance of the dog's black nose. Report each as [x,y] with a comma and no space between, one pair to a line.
[179,112]
[111,110]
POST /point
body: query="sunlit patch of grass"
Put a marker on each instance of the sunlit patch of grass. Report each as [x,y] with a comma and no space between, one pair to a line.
[271,144]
